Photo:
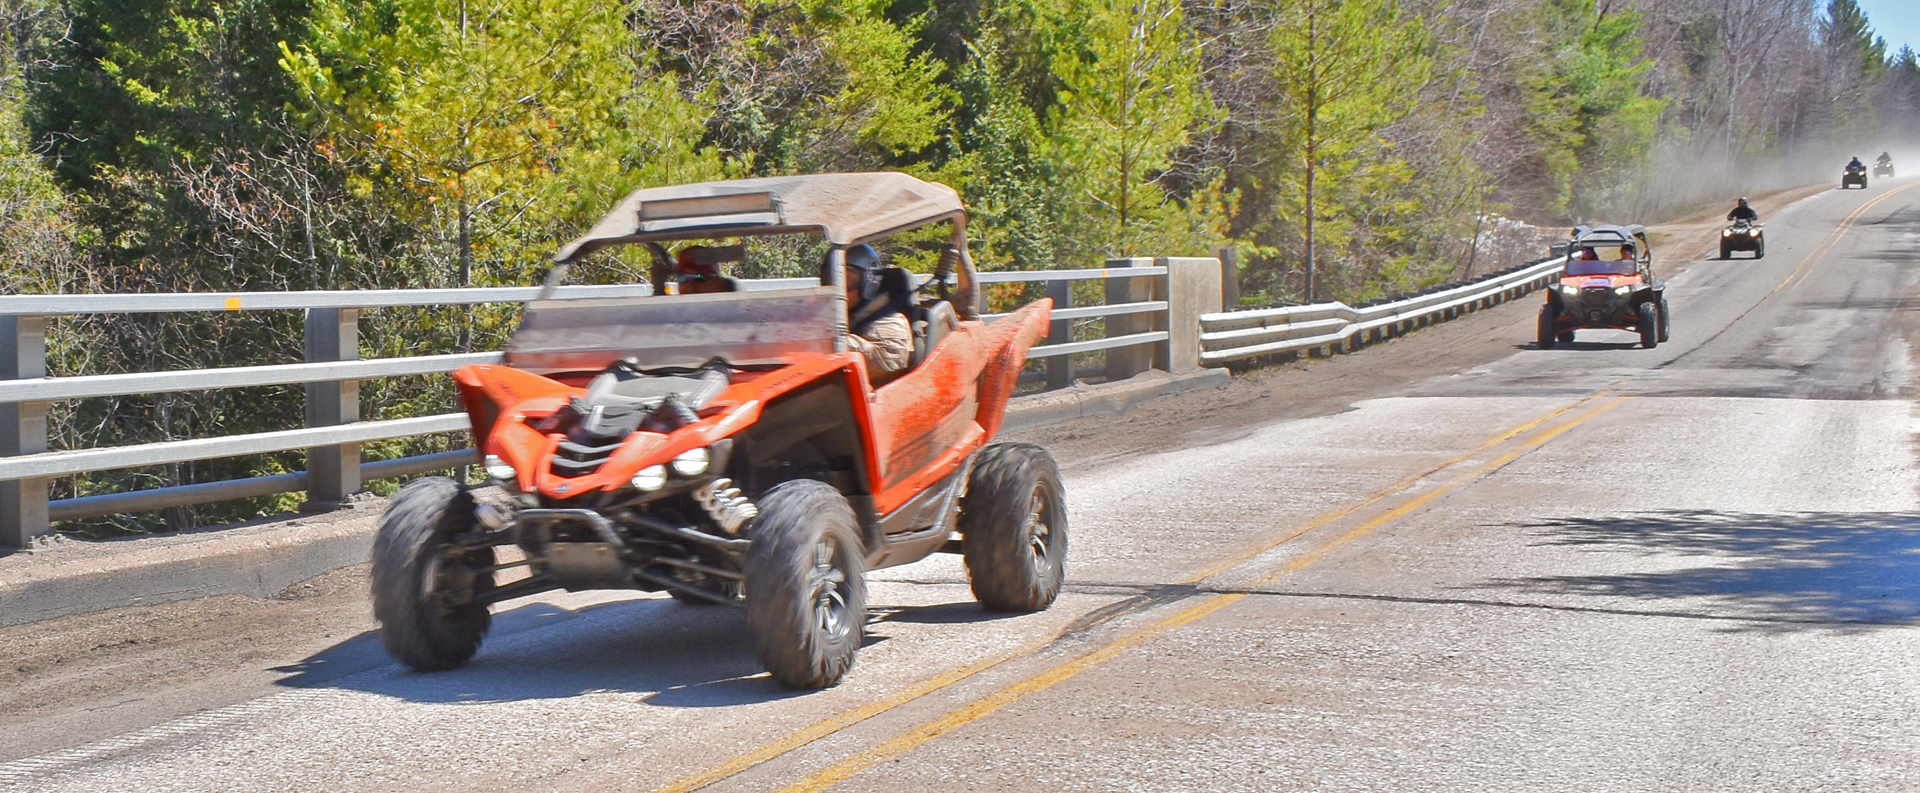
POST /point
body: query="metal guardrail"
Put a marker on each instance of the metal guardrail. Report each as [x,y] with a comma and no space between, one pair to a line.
[333,371]
[331,376]
[1238,335]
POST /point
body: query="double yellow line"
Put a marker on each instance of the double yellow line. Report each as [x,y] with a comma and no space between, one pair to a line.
[1805,268]
[1054,675]
[828,777]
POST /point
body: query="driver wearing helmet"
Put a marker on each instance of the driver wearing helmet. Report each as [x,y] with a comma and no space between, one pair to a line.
[876,328]
[1743,212]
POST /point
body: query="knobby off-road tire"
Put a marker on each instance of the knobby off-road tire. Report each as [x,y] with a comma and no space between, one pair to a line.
[1760,250]
[423,596]
[1649,324]
[1726,251]
[806,584]
[1666,320]
[1546,334]
[1013,525]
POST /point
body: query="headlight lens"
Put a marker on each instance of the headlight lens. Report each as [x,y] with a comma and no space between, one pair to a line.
[1726,232]
[1569,289]
[692,462]
[1622,290]
[651,478]
[499,469]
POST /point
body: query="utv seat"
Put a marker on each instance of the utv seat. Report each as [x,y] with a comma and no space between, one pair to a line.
[931,323]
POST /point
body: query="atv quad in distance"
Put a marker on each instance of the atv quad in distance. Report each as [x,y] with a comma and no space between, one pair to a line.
[1608,283]
[727,448]
[1854,175]
[1883,168]
[1743,235]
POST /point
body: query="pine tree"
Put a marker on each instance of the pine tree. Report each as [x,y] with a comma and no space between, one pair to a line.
[1129,99]
[1344,69]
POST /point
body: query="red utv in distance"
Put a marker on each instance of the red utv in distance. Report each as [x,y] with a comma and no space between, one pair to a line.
[726,448]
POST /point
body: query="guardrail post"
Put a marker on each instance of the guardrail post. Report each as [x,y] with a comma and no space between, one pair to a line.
[23,430]
[333,472]
[1060,367]
[1125,362]
[1229,257]
[1193,288]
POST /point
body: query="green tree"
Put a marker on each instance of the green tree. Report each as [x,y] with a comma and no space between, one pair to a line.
[1129,99]
[1586,110]
[1345,69]
[494,119]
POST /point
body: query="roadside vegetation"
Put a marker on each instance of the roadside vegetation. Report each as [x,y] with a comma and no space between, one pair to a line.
[1346,149]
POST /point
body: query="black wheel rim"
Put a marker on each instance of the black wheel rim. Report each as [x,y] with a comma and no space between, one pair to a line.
[829,596]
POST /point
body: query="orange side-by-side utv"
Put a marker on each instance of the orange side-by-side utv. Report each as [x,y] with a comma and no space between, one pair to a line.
[727,447]
[1608,283]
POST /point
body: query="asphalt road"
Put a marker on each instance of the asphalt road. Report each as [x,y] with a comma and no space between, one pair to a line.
[1597,567]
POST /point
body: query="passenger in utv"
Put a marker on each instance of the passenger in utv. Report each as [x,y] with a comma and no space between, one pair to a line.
[1743,212]
[876,327]
[693,274]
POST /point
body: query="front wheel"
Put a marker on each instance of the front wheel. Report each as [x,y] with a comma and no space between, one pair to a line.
[1545,331]
[1726,251]
[806,584]
[1013,525]
[1649,324]
[428,593]
[1760,250]
[1666,320]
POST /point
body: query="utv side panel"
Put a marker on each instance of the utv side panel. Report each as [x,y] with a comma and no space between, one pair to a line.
[1010,338]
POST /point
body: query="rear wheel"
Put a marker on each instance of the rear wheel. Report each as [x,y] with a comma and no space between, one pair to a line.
[1013,522]
[1649,324]
[805,584]
[426,589]
[1548,315]
[1565,337]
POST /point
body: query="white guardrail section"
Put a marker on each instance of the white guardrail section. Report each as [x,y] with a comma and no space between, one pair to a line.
[332,373]
[1238,335]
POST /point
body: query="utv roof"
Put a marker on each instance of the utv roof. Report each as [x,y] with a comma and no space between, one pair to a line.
[843,207]
[1607,234]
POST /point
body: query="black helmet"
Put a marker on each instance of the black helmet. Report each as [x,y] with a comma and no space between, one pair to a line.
[863,270]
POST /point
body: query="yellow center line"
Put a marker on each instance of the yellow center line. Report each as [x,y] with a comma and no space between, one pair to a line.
[828,726]
[1805,269]
[823,728]
[1405,509]
[1241,558]
[828,777]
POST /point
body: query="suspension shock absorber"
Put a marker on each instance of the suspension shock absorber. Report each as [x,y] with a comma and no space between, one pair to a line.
[726,505]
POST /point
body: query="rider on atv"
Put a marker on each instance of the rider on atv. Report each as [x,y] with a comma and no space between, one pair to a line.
[1743,212]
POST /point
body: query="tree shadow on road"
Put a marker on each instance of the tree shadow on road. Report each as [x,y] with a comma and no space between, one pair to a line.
[672,654]
[1778,572]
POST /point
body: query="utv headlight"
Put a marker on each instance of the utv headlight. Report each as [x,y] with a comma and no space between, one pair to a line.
[499,469]
[651,478]
[1623,290]
[1569,290]
[692,462]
